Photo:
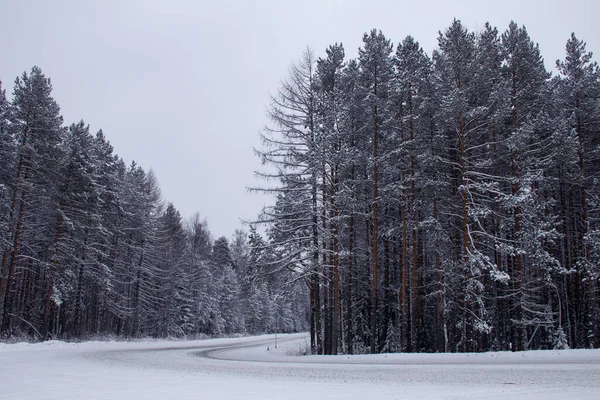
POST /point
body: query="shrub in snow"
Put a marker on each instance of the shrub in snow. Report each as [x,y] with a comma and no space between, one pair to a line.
[561,340]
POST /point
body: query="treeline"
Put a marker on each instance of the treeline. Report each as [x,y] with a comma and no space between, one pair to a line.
[440,203]
[89,248]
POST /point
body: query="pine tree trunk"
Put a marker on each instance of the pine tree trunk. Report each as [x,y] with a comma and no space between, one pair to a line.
[499,298]
[387,296]
[13,208]
[586,282]
[465,233]
[79,328]
[405,320]
[8,295]
[316,285]
[518,339]
[349,290]
[327,294]
[312,313]
[414,301]
[375,234]
[135,324]
[439,309]
[336,324]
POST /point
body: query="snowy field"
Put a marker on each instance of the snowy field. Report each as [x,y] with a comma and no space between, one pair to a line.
[251,368]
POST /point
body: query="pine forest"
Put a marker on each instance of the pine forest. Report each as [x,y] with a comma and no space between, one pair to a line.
[421,203]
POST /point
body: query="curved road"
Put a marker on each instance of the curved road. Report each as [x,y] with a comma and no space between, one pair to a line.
[507,375]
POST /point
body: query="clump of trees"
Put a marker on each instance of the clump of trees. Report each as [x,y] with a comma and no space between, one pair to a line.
[440,203]
[88,247]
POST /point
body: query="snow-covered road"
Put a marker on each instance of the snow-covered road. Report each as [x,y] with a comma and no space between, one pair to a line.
[251,368]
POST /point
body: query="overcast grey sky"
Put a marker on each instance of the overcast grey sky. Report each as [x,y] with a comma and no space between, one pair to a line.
[181,86]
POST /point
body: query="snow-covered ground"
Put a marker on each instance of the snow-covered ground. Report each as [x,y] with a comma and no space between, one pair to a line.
[251,368]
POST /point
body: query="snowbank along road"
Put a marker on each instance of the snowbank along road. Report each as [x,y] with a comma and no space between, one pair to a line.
[252,368]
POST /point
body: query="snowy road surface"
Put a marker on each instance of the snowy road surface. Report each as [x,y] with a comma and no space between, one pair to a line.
[251,368]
